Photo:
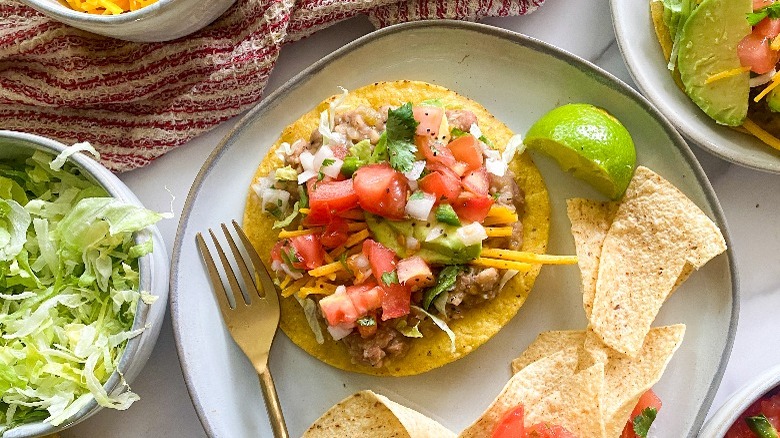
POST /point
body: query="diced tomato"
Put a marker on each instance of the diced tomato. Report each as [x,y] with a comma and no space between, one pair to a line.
[768,27]
[414,272]
[338,309]
[329,198]
[396,297]
[754,52]
[511,424]
[381,190]
[444,185]
[477,182]
[276,252]
[547,430]
[365,297]
[309,250]
[429,118]
[437,153]
[336,233]
[471,207]
[648,400]
[466,149]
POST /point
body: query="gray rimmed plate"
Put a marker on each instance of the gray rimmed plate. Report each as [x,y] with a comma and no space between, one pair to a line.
[518,79]
[645,61]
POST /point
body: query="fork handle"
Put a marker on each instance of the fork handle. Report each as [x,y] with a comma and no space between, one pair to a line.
[272,405]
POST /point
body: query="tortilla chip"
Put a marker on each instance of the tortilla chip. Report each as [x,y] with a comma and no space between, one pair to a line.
[661,31]
[625,378]
[367,414]
[656,232]
[574,404]
[590,221]
[546,344]
[528,387]
[478,324]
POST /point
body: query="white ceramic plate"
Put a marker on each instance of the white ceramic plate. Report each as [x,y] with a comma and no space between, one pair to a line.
[518,79]
[645,61]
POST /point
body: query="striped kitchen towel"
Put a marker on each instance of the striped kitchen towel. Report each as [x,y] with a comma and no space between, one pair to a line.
[136,101]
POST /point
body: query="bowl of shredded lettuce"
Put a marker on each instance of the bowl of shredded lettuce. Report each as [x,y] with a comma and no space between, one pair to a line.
[83,286]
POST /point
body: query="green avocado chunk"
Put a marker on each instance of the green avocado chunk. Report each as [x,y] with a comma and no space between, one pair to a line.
[773,100]
[446,249]
[708,45]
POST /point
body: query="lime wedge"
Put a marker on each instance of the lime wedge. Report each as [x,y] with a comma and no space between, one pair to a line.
[590,143]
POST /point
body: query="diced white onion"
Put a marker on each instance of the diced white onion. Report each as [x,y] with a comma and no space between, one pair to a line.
[420,208]
[475,131]
[294,275]
[334,169]
[412,243]
[762,79]
[328,136]
[261,186]
[306,175]
[340,331]
[412,184]
[434,232]
[472,233]
[514,146]
[307,160]
[495,166]
[272,196]
[361,261]
[283,151]
[323,154]
[276,265]
[416,170]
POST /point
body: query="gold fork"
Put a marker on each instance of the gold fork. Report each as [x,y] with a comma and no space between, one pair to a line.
[254,318]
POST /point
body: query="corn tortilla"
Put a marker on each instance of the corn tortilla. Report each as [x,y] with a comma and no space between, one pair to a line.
[656,232]
[478,324]
[367,414]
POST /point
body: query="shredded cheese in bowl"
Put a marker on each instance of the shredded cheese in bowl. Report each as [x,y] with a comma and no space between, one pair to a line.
[108,7]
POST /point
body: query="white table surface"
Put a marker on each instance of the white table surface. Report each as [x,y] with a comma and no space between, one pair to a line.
[750,200]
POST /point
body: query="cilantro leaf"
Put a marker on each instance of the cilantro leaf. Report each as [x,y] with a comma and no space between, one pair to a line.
[771,11]
[389,278]
[400,131]
[288,220]
[444,283]
[366,321]
[643,421]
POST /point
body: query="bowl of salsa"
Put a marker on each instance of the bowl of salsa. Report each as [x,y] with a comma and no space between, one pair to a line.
[751,412]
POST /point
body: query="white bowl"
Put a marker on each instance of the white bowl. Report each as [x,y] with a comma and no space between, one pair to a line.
[161,21]
[721,421]
[153,270]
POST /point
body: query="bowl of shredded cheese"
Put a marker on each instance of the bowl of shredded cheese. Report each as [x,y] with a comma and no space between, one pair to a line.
[134,20]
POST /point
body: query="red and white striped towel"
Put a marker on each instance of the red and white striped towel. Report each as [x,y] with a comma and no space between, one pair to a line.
[136,101]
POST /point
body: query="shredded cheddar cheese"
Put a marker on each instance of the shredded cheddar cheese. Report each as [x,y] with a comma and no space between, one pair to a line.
[285,234]
[501,264]
[770,87]
[324,270]
[761,134]
[775,45]
[356,238]
[295,286]
[499,215]
[498,231]
[726,74]
[357,226]
[528,257]
[108,7]
[337,252]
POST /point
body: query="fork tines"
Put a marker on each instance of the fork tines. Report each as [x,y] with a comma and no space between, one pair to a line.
[251,288]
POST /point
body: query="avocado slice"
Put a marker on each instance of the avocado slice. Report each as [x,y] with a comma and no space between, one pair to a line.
[708,45]
[773,100]
[446,249]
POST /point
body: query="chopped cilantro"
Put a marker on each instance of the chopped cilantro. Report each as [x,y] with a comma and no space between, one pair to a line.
[771,11]
[289,257]
[643,421]
[445,214]
[444,283]
[389,278]
[320,176]
[328,162]
[275,211]
[288,220]
[343,261]
[400,131]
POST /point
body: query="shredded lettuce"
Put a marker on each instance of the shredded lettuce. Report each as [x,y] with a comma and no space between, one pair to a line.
[441,324]
[69,287]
